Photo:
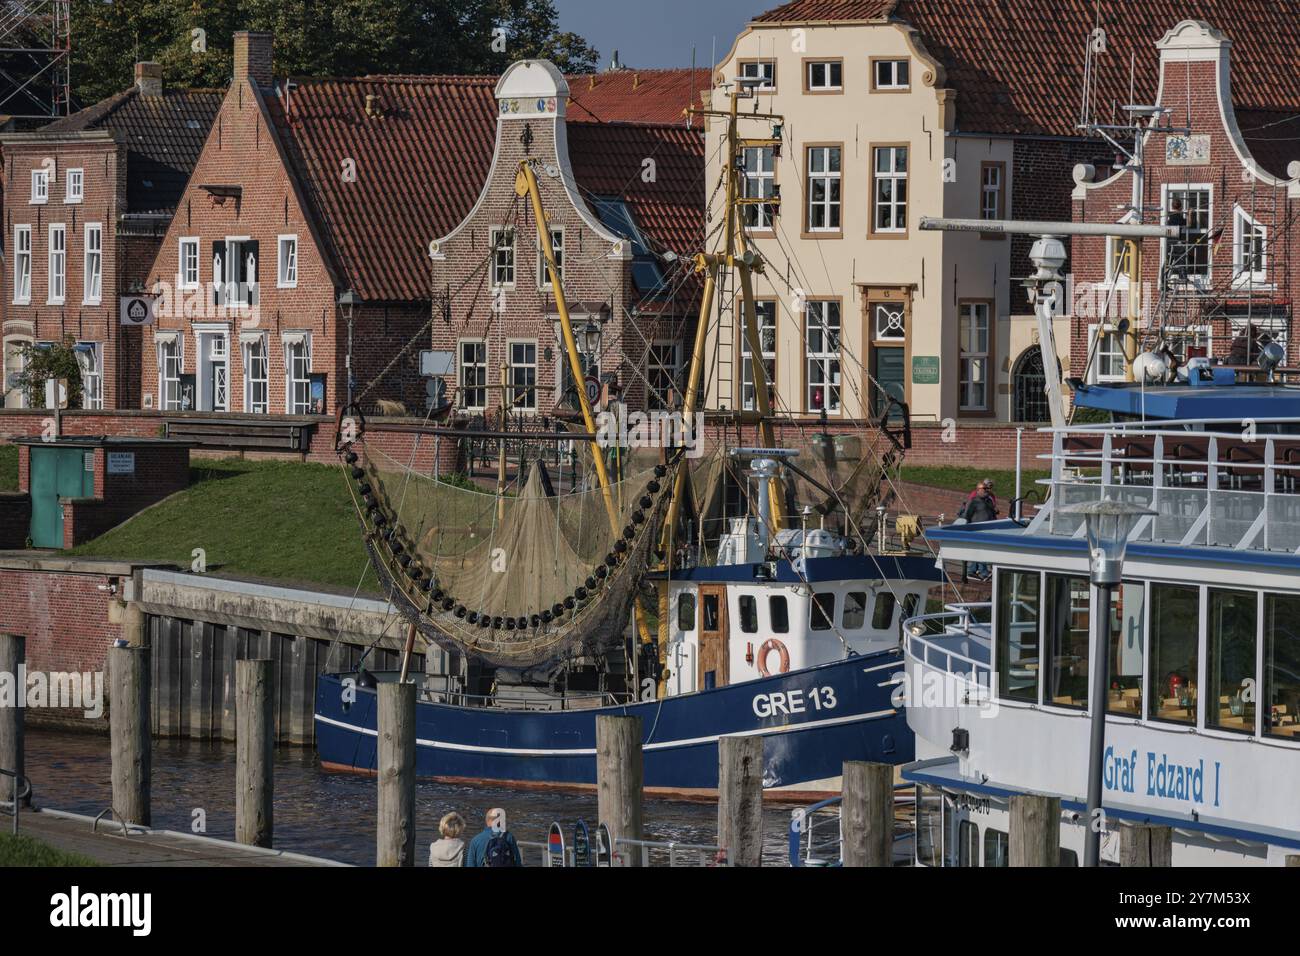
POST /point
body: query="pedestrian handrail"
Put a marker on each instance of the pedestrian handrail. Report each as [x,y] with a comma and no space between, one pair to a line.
[22,790]
[807,823]
[705,854]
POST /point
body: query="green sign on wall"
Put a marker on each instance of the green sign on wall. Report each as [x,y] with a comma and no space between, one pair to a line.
[925,370]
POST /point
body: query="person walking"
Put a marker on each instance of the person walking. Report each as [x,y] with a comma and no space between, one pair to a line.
[981,505]
[496,845]
[450,849]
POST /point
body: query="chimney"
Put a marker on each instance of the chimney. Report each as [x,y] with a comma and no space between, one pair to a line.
[148,78]
[253,57]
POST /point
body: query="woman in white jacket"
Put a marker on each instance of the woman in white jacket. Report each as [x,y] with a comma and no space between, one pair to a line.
[450,850]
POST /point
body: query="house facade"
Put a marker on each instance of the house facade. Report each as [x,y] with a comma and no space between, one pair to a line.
[87,199]
[622,195]
[1223,290]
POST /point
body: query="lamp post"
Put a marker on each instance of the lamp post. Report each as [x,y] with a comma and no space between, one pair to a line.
[348,300]
[1108,526]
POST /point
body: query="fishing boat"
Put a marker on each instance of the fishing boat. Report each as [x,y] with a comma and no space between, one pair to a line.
[1202,729]
[561,602]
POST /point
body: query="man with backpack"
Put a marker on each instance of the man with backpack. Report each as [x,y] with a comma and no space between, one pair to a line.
[496,845]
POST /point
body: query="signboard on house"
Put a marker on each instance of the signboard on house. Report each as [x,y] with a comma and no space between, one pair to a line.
[1187,150]
[925,370]
[138,310]
[121,463]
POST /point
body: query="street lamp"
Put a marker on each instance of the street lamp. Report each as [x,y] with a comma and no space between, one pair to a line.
[348,301]
[591,338]
[1108,525]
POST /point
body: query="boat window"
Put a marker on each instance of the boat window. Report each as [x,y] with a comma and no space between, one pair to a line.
[1017,650]
[779,612]
[929,820]
[1230,646]
[748,614]
[1126,646]
[1065,641]
[1175,630]
[712,620]
[882,615]
[968,844]
[1282,666]
[686,612]
[1068,858]
[855,610]
[996,847]
[822,611]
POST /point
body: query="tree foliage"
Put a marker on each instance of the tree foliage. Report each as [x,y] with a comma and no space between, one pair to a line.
[193,38]
[42,363]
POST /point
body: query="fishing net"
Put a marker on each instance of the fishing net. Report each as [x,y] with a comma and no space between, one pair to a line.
[519,579]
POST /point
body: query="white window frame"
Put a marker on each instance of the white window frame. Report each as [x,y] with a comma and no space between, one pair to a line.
[1207,188]
[92,292]
[463,390]
[252,405]
[57,260]
[529,409]
[814,311]
[40,187]
[759,69]
[290,381]
[22,265]
[968,357]
[557,247]
[657,401]
[826,86]
[991,193]
[1094,369]
[1241,275]
[833,181]
[286,275]
[184,279]
[163,379]
[893,65]
[894,177]
[73,196]
[759,183]
[92,374]
[504,260]
[10,347]
[748,388]
[236,294]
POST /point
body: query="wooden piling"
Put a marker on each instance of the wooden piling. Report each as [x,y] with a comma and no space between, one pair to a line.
[619,779]
[1143,845]
[1035,838]
[13,654]
[133,625]
[740,799]
[1293,860]
[867,814]
[130,732]
[255,757]
[396,829]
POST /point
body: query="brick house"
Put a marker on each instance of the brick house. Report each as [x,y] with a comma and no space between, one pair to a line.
[1225,149]
[624,202]
[87,199]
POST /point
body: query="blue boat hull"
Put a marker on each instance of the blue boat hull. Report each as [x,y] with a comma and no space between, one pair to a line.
[811,722]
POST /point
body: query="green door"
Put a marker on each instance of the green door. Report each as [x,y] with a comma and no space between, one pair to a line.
[57,473]
[890,371]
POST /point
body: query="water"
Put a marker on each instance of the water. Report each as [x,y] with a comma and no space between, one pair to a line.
[332,815]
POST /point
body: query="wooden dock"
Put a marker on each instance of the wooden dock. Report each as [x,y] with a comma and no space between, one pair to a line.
[145,847]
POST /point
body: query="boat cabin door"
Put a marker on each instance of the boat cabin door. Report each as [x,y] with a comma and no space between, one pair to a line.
[714,649]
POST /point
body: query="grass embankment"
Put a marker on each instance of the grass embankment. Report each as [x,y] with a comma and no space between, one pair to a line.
[286,521]
[8,467]
[956,478]
[24,851]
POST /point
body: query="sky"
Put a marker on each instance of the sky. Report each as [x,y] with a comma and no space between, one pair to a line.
[659,33]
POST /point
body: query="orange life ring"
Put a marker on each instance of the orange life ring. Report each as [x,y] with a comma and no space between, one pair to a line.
[768,648]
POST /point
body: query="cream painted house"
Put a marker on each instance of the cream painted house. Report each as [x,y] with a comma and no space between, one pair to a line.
[857,300]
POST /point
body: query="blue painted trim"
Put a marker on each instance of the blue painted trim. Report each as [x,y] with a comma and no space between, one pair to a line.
[915,773]
[819,570]
[1187,402]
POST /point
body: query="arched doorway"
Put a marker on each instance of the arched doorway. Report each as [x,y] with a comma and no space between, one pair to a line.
[1029,386]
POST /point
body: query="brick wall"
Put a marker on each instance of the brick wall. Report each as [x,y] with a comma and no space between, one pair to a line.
[1041,190]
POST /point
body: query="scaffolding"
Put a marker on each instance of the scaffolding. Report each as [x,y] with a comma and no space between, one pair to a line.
[35,59]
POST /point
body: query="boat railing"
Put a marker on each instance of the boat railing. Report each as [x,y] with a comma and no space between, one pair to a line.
[652,852]
[592,701]
[1209,483]
[816,836]
[946,641]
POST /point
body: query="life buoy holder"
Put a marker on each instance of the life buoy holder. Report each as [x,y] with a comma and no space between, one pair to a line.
[768,648]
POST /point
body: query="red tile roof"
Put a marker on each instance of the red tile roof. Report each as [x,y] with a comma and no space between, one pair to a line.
[1017,65]
[420,168]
